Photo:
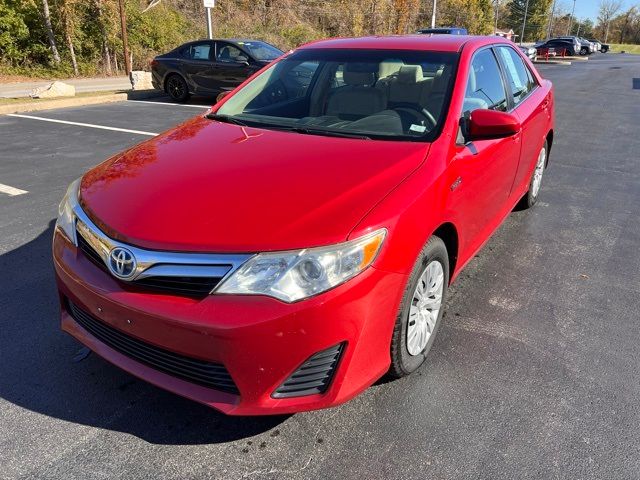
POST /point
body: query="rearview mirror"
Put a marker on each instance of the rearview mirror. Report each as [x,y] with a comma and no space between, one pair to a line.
[486,124]
[221,95]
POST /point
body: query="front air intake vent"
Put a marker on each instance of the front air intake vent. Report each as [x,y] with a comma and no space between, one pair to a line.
[313,376]
[207,374]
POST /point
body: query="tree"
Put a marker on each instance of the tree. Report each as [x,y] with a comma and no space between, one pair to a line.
[66,11]
[13,31]
[52,39]
[606,11]
[537,18]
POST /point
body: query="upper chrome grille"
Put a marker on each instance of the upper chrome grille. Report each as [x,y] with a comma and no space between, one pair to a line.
[181,273]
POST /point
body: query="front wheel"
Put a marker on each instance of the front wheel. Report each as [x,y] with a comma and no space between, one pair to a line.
[421,309]
[584,51]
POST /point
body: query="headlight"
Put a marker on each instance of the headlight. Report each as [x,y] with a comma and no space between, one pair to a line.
[294,275]
[66,217]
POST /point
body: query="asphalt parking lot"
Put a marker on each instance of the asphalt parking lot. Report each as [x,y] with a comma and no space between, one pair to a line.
[535,372]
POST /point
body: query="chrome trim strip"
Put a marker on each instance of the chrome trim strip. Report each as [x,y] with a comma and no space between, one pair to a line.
[213,271]
[159,263]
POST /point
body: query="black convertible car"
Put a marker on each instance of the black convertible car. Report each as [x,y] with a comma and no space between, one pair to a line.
[209,67]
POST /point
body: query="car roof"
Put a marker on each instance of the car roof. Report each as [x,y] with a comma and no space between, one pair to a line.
[439,43]
[230,40]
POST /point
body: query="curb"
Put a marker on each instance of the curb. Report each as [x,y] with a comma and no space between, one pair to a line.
[77,101]
[552,62]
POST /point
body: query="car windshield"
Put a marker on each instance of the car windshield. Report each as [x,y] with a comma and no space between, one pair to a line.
[383,94]
[261,50]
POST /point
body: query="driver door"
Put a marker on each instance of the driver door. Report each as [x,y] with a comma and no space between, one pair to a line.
[232,66]
[483,170]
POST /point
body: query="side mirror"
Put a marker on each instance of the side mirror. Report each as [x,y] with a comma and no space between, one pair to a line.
[486,124]
[221,95]
[242,59]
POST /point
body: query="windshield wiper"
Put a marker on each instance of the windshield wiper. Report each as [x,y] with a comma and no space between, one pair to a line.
[328,133]
[225,118]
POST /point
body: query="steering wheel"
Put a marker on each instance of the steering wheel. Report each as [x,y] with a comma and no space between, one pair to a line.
[417,109]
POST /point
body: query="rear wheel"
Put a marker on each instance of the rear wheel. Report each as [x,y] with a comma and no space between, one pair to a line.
[531,197]
[177,88]
[421,309]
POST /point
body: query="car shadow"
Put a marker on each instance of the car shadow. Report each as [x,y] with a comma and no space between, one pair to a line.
[46,371]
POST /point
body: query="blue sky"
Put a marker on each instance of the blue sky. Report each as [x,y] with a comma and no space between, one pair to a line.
[588,8]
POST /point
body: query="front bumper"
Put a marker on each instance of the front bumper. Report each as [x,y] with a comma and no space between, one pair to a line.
[259,340]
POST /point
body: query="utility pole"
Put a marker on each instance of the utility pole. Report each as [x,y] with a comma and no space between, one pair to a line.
[125,41]
[571,17]
[208,5]
[524,20]
[553,12]
[433,15]
[495,28]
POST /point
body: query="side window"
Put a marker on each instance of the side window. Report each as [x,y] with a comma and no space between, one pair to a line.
[516,73]
[230,54]
[199,51]
[485,88]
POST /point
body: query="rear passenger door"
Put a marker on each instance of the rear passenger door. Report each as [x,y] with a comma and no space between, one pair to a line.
[531,107]
[198,67]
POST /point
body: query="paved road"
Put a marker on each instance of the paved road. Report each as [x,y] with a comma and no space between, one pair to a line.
[533,375]
[22,89]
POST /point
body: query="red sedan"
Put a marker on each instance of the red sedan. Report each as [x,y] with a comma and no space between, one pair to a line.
[284,251]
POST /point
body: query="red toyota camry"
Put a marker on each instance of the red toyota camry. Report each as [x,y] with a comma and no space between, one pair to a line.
[284,251]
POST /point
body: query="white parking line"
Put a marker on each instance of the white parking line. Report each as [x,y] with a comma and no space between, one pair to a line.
[78,124]
[11,190]
[172,104]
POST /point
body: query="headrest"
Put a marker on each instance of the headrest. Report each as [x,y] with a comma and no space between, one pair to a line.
[410,74]
[389,67]
[360,73]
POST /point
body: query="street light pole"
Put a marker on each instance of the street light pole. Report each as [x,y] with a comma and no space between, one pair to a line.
[208,5]
[553,12]
[433,15]
[524,21]
[209,27]
[571,17]
[125,41]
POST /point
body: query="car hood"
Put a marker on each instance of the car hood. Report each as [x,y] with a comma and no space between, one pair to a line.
[216,187]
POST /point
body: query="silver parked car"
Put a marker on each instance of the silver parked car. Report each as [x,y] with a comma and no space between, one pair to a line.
[530,52]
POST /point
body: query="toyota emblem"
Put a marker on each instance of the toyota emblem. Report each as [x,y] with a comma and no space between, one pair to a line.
[122,263]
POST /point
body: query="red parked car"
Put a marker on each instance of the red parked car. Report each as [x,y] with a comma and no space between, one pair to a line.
[286,250]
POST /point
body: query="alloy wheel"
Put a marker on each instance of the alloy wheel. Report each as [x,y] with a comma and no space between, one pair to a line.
[176,87]
[538,172]
[425,307]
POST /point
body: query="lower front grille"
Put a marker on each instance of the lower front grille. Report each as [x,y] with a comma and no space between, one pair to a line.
[313,376]
[207,374]
[191,286]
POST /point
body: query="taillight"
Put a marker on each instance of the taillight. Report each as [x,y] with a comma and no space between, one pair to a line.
[154,63]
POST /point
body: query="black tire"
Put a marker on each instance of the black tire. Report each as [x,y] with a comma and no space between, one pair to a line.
[584,51]
[531,197]
[177,88]
[402,362]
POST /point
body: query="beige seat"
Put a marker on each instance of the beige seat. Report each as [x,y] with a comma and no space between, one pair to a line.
[359,97]
[409,86]
[435,101]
